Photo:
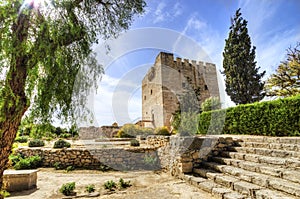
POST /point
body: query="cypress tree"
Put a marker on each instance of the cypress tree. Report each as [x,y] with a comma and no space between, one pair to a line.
[243,82]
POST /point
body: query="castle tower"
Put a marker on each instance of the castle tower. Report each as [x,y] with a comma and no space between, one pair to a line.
[167,79]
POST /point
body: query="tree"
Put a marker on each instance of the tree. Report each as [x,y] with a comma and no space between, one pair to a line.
[243,82]
[286,81]
[46,59]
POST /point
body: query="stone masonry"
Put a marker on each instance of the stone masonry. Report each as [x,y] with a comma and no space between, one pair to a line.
[167,79]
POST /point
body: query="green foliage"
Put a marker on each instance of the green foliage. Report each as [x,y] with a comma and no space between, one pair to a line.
[90,188]
[61,144]
[15,158]
[111,185]
[286,81]
[58,166]
[21,139]
[4,193]
[36,143]
[134,142]
[150,160]
[65,135]
[67,189]
[124,184]
[211,103]
[162,131]
[104,168]
[70,168]
[32,162]
[273,118]
[131,131]
[243,82]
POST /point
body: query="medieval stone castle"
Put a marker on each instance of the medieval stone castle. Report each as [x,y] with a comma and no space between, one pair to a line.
[167,79]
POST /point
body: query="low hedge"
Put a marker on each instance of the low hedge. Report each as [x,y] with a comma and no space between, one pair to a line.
[279,117]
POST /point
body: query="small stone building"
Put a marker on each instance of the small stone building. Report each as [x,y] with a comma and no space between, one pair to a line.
[167,79]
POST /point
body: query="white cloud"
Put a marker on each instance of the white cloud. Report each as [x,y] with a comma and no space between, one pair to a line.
[164,12]
[177,9]
[159,12]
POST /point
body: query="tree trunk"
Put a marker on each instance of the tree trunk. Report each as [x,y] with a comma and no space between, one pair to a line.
[13,94]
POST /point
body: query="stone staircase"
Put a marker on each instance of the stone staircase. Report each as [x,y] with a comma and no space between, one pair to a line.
[252,167]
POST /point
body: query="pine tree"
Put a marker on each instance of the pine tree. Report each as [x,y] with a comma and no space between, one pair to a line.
[243,82]
[286,81]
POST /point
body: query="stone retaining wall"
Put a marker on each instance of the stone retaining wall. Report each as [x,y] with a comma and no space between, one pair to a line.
[116,158]
[176,154]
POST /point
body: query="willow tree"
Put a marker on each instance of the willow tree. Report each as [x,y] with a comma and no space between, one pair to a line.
[286,80]
[47,64]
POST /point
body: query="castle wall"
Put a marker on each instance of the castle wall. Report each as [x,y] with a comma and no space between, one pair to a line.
[168,79]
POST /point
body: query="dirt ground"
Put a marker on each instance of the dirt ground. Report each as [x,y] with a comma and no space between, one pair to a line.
[145,184]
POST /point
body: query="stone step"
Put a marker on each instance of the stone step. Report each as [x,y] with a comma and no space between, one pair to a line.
[257,178]
[243,189]
[288,162]
[266,152]
[262,139]
[276,171]
[217,190]
[276,146]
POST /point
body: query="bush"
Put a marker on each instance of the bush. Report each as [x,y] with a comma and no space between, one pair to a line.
[90,188]
[124,184]
[70,168]
[4,193]
[122,134]
[61,144]
[15,158]
[134,142]
[21,139]
[36,143]
[273,118]
[162,131]
[65,135]
[58,166]
[32,162]
[67,189]
[104,168]
[111,185]
[212,103]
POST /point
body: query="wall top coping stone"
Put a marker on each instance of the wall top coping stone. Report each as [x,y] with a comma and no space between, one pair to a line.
[20,172]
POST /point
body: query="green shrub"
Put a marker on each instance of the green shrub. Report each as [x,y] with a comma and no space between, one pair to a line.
[273,118]
[61,144]
[4,193]
[65,135]
[134,142]
[90,188]
[32,162]
[211,103]
[162,131]
[67,189]
[36,143]
[104,168]
[70,168]
[111,185]
[124,184]
[58,166]
[15,158]
[21,139]
[122,134]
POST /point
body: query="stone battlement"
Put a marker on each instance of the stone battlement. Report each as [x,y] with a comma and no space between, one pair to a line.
[167,58]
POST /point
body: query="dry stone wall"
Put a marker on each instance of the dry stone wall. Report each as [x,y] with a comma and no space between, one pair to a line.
[175,154]
[116,158]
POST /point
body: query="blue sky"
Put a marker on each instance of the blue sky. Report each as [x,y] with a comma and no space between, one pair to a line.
[187,27]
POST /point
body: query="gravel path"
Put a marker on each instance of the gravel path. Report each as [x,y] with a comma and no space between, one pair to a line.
[145,184]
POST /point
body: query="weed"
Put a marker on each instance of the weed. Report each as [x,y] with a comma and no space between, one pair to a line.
[67,189]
